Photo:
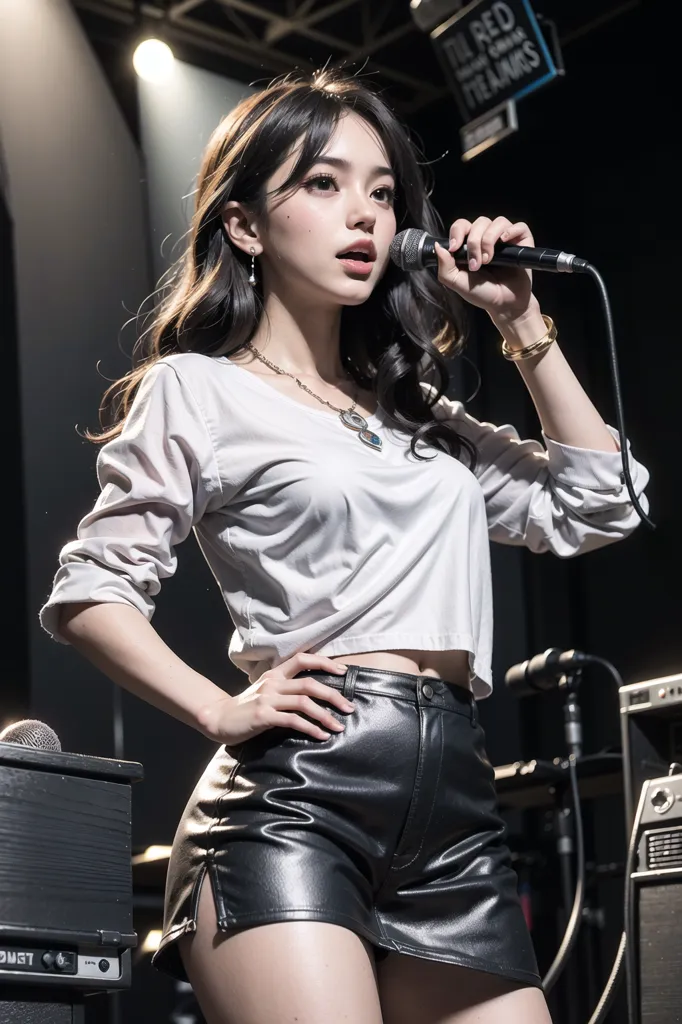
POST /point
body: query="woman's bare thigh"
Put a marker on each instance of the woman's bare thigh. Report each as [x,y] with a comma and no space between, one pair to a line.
[426,991]
[294,971]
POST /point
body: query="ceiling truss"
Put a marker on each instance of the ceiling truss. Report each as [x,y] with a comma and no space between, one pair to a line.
[257,33]
[265,38]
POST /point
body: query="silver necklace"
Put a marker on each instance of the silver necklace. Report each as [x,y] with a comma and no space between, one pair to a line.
[351,419]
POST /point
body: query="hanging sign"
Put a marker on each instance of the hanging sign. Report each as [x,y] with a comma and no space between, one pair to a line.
[488,129]
[493,51]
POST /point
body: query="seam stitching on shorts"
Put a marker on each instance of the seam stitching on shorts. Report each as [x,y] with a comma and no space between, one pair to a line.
[455,711]
[223,914]
[195,895]
[359,688]
[512,973]
[413,802]
[173,933]
[218,900]
[433,801]
[218,817]
[265,915]
[380,924]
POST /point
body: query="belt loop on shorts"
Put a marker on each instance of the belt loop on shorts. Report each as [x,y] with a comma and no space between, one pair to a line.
[349,681]
[474,712]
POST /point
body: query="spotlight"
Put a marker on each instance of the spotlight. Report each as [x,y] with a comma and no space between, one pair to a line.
[153,60]
[152,853]
[151,941]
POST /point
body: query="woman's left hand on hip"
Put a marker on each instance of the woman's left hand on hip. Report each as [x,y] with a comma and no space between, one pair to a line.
[502,291]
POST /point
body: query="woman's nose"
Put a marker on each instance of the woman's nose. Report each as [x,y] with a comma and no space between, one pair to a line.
[361,211]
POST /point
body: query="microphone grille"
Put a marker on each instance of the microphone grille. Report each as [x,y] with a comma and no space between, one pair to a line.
[31,733]
[405,249]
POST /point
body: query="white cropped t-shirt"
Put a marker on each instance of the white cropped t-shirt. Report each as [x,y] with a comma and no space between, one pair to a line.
[318,542]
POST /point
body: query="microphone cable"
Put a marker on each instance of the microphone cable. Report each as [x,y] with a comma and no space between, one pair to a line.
[625,958]
[414,250]
[624,961]
[617,394]
[624,954]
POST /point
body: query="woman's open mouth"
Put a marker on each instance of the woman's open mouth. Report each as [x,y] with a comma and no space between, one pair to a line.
[357,261]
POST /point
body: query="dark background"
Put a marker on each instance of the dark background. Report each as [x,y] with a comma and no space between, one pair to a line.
[594,169]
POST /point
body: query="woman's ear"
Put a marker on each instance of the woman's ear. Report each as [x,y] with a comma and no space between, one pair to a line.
[241,228]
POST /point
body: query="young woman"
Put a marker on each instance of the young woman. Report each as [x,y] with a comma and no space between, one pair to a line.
[341,859]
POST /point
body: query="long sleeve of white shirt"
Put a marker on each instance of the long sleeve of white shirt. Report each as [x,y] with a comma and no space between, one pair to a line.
[553,498]
[157,479]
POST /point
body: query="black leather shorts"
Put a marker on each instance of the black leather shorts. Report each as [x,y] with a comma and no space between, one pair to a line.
[389,828]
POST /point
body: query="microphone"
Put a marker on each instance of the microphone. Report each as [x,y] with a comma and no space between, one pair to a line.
[543,672]
[414,249]
[31,733]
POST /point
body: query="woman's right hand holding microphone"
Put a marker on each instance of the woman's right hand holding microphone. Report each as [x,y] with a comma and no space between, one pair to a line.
[276,699]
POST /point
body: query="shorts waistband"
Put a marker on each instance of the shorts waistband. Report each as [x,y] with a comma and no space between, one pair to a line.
[422,690]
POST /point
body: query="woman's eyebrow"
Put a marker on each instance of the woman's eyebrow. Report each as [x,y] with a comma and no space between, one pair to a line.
[345,165]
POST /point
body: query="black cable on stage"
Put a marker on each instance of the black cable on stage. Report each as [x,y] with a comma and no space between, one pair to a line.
[625,953]
[617,394]
[523,680]
[575,920]
[612,985]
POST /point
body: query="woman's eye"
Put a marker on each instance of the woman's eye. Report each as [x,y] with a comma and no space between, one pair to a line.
[328,183]
[322,179]
[389,194]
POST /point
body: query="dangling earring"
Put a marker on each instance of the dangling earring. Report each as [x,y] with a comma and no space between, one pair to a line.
[252,275]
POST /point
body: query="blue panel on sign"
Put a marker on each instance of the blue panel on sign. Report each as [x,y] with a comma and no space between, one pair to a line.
[534,85]
[552,70]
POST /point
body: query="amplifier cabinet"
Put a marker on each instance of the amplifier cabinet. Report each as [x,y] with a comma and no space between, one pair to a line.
[651,734]
[656,894]
[65,870]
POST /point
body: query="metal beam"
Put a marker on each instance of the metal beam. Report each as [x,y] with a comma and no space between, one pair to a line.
[201,36]
[380,15]
[256,52]
[351,51]
[240,23]
[176,10]
[255,49]
[280,26]
[302,9]
[598,22]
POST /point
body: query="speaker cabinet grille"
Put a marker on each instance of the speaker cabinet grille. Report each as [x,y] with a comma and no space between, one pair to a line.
[660,968]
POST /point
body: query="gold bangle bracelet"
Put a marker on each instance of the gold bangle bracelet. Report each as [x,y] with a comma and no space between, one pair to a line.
[518,355]
[536,348]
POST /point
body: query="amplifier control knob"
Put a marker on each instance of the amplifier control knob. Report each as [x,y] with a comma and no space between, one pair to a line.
[662,799]
[65,961]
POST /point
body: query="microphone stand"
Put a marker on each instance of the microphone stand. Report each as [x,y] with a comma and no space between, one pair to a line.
[564,833]
[526,679]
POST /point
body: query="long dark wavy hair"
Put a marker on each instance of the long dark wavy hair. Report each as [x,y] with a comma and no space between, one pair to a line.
[389,343]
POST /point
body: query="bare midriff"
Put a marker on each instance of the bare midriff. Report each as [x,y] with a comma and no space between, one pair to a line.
[450,666]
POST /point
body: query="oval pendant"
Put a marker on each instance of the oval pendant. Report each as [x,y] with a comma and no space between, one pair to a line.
[371,439]
[353,420]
